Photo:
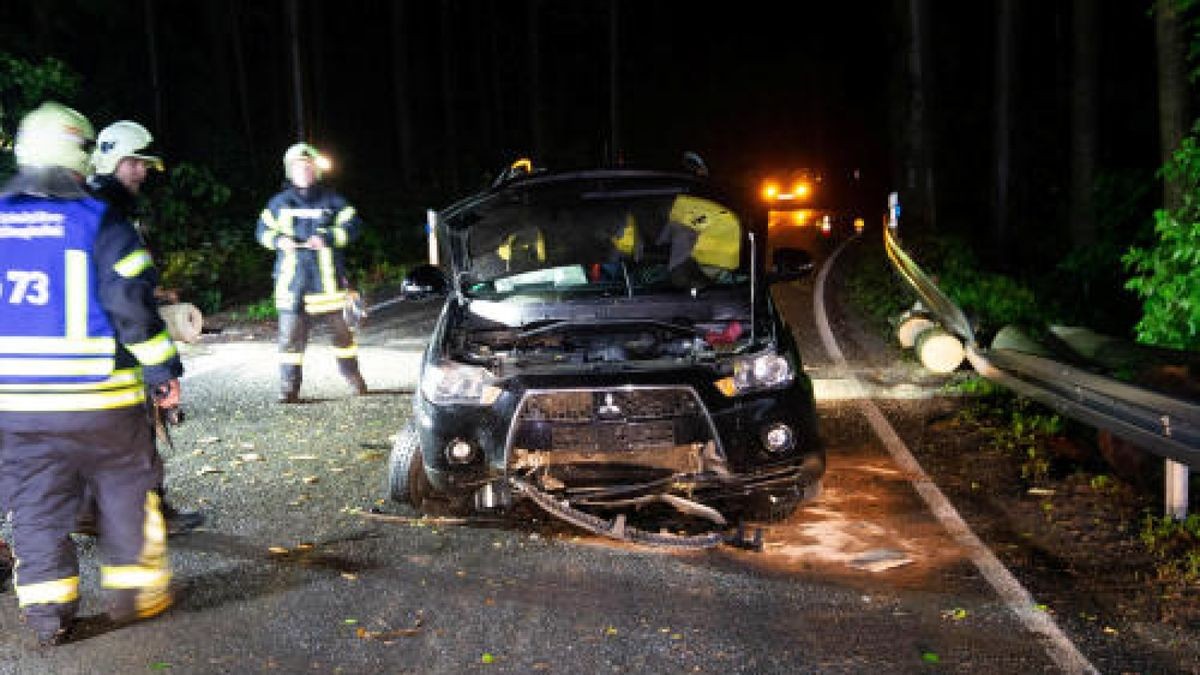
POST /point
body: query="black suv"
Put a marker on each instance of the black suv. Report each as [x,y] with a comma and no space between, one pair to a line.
[608,342]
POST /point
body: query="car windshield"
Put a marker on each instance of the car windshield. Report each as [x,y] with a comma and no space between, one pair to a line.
[601,243]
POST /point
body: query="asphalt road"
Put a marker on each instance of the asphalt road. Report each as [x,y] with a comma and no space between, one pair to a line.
[289,575]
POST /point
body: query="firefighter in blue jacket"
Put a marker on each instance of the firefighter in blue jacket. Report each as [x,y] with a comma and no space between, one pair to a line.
[80,341]
[308,225]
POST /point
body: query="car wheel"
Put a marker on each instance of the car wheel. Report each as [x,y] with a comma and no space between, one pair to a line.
[407,482]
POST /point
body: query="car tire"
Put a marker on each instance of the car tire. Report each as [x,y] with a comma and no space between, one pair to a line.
[407,482]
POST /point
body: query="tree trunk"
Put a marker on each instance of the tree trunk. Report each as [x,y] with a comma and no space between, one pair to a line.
[317,112]
[1002,130]
[1084,52]
[1172,89]
[160,104]
[449,95]
[919,174]
[222,84]
[536,113]
[233,10]
[293,33]
[497,88]
[402,113]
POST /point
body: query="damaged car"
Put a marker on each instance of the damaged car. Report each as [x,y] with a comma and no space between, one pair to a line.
[608,343]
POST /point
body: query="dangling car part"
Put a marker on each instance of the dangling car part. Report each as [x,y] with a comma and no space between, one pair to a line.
[608,343]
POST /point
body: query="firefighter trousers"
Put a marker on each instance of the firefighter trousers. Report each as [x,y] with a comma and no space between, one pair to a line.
[47,470]
[293,338]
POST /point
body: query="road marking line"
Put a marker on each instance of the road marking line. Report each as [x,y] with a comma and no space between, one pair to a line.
[1059,647]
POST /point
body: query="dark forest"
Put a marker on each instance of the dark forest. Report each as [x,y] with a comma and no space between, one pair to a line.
[1030,134]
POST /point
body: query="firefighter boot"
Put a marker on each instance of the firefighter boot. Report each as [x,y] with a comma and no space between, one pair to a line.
[349,370]
[180,521]
[289,384]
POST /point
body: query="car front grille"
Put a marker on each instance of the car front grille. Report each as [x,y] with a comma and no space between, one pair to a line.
[610,420]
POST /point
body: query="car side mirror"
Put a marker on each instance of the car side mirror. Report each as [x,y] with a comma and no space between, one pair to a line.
[789,264]
[424,281]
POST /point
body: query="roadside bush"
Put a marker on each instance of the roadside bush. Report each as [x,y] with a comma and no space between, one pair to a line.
[203,242]
[24,85]
[1167,275]
[1175,545]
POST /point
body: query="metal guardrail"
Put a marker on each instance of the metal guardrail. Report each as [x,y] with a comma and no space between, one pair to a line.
[1166,426]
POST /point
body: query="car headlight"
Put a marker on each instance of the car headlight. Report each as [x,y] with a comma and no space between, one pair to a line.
[448,382]
[767,370]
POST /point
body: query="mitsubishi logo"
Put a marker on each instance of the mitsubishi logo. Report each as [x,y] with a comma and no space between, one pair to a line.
[609,409]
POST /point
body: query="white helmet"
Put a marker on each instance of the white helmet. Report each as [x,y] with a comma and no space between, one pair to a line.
[118,141]
[54,135]
[307,153]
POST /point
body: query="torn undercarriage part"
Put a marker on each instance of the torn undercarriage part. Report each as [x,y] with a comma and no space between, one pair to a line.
[616,528]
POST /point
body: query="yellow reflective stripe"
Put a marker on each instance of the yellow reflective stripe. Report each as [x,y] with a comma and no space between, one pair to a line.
[152,602]
[267,238]
[322,303]
[133,264]
[336,297]
[345,352]
[328,273]
[291,358]
[62,401]
[57,592]
[283,284]
[132,576]
[26,367]
[151,575]
[66,346]
[340,237]
[155,351]
[78,285]
[285,224]
[125,377]
[344,216]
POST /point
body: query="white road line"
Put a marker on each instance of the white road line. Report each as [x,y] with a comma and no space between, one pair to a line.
[1059,647]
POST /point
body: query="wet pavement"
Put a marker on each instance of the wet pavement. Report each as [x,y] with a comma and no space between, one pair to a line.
[289,575]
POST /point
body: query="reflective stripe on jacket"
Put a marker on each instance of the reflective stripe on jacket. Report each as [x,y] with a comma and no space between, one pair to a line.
[303,277]
[77,315]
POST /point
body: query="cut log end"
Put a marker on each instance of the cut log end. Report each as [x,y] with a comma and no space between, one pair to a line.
[939,351]
[910,328]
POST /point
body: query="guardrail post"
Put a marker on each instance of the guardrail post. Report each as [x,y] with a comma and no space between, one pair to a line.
[1177,489]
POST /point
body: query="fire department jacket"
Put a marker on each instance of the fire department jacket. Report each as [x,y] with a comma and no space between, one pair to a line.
[79,329]
[304,278]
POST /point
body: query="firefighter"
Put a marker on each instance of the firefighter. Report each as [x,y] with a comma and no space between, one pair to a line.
[79,341]
[308,225]
[121,162]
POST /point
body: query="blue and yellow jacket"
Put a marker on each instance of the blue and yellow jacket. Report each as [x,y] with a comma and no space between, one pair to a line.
[79,328]
[305,278]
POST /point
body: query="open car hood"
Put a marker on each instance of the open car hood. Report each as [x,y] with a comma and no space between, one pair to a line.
[618,231]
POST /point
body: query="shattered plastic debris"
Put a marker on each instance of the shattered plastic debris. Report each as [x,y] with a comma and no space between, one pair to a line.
[880,559]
